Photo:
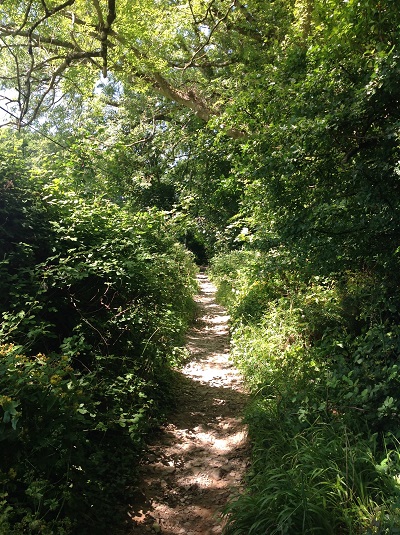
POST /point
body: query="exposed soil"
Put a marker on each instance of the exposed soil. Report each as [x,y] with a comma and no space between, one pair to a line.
[197,461]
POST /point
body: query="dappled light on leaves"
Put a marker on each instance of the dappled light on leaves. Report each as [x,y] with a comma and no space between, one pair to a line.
[147,138]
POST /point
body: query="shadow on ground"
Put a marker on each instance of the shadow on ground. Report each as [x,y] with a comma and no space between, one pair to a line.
[197,461]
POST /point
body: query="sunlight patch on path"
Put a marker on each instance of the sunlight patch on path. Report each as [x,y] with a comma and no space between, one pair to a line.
[199,459]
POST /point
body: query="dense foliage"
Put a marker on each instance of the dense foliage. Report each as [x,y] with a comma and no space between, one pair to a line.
[263,136]
[325,398]
[91,324]
[314,294]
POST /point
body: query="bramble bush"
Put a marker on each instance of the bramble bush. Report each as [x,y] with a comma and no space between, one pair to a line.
[96,303]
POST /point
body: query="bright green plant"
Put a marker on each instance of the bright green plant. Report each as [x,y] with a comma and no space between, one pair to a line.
[322,480]
[319,355]
[91,326]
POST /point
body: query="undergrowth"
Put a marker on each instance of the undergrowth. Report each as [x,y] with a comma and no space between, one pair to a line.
[95,303]
[320,357]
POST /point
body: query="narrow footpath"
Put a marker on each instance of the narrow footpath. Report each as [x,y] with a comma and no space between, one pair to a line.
[198,460]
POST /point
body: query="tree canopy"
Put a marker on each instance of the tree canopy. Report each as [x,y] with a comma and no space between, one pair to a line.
[183,51]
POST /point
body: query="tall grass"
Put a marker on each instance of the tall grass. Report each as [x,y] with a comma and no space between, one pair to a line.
[324,462]
[322,480]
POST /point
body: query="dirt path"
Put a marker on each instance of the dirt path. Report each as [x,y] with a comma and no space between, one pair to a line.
[198,460]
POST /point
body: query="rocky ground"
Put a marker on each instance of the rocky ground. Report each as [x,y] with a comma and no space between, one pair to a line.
[197,461]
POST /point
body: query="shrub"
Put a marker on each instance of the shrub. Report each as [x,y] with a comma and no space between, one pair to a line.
[90,331]
[320,357]
[108,267]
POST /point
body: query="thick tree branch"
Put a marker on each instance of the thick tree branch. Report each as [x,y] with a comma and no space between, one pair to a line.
[112,13]
[40,84]
[189,99]
[105,29]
